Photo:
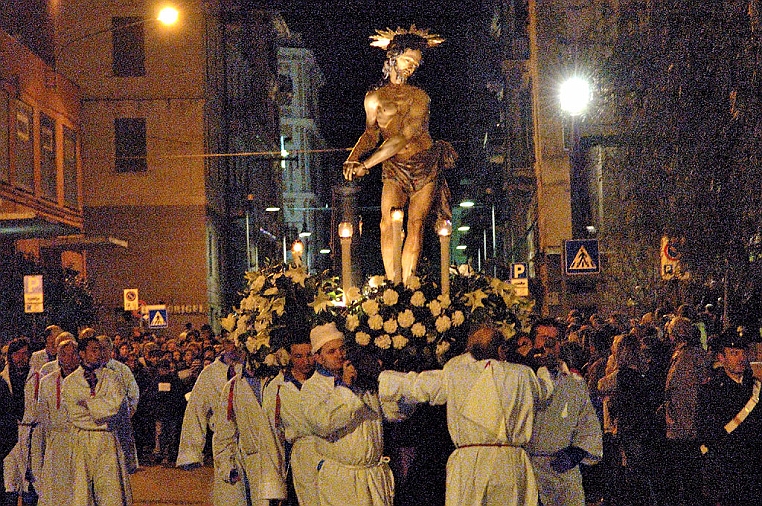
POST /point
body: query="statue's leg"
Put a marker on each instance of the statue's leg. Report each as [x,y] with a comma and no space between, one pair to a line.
[418,210]
[391,196]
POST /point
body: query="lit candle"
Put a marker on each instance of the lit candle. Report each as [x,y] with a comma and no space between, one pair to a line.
[397,216]
[345,235]
[297,248]
[444,230]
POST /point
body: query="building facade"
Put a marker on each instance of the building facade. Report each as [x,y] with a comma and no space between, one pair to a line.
[179,127]
[302,144]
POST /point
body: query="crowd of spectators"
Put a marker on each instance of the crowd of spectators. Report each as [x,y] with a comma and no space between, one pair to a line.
[644,375]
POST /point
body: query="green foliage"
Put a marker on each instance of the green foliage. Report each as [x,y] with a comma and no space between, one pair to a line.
[68,301]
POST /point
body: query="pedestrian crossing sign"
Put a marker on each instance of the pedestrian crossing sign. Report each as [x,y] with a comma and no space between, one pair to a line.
[157,316]
[581,256]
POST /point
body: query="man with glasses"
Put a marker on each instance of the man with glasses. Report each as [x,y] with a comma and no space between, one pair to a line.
[566,429]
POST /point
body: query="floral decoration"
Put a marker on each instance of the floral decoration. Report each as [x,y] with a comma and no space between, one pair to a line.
[415,327]
[280,302]
[411,327]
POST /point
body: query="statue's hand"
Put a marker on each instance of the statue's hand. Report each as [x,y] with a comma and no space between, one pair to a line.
[354,169]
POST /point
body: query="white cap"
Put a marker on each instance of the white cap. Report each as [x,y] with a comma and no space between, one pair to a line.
[322,334]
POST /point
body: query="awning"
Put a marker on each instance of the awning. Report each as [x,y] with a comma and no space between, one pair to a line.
[29,225]
[80,242]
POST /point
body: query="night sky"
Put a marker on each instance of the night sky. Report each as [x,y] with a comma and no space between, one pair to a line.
[338,30]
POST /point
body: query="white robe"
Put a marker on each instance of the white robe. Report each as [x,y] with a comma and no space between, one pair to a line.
[18,460]
[490,413]
[52,444]
[100,472]
[49,367]
[203,401]
[353,470]
[568,419]
[245,440]
[292,427]
[38,359]
[123,421]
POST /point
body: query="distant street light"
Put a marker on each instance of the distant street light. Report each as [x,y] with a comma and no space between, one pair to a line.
[575,95]
[466,204]
[297,248]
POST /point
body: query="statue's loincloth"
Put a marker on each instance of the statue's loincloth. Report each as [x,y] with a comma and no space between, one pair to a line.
[421,169]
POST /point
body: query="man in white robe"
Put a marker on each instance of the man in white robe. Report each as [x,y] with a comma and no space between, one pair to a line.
[346,418]
[123,421]
[282,401]
[52,442]
[566,428]
[41,357]
[490,414]
[203,402]
[93,396]
[247,453]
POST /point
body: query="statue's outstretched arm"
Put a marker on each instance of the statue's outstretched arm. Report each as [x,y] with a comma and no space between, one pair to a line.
[367,141]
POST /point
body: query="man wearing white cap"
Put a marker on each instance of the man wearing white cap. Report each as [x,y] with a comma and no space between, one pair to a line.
[347,420]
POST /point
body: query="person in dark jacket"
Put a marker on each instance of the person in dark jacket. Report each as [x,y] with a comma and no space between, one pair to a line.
[634,404]
[8,426]
[729,427]
[169,409]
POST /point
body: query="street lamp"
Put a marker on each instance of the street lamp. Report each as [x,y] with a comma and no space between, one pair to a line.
[297,248]
[167,16]
[575,95]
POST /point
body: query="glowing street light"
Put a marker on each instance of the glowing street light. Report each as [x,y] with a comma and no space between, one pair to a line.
[466,204]
[575,95]
[168,16]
